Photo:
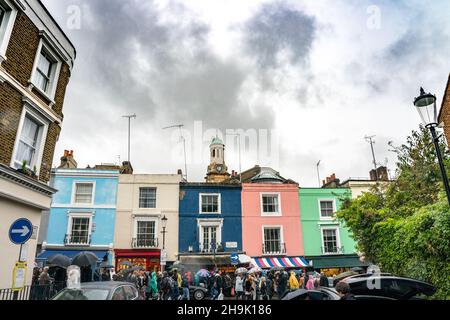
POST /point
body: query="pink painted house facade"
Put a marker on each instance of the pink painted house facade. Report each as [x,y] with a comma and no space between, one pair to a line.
[271,224]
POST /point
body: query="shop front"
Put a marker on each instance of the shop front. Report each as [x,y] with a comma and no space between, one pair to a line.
[148,259]
[218,262]
[335,264]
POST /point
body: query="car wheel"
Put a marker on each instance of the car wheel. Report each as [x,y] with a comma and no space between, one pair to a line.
[199,295]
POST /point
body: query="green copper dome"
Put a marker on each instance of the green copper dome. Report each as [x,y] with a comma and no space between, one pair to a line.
[216,140]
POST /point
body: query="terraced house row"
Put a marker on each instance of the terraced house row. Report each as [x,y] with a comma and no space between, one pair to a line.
[155,220]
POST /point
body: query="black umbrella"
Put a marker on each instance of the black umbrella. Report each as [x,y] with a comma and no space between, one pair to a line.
[85,258]
[276,269]
[59,260]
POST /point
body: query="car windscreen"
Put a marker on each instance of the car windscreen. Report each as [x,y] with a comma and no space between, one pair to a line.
[82,294]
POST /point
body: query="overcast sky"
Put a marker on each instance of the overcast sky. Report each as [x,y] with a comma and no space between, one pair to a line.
[321,74]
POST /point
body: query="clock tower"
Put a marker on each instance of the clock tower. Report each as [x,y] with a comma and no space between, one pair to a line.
[217,170]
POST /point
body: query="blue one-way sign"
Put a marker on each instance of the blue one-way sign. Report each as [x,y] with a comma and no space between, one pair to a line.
[20,231]
[234,258]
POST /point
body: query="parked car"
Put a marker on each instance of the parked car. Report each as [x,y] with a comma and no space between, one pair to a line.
[198,293]
[319,294]
[102,290]
[388,287]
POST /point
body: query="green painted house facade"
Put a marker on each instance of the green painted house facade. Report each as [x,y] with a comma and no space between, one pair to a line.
[327,242]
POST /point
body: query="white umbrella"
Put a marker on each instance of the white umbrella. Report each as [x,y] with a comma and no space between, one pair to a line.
[241,270]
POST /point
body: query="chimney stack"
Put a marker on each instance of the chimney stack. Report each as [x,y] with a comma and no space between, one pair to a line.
[331,182]
[67,160]
[381,174]
[126,168]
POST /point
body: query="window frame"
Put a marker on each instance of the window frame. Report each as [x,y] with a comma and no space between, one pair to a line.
[270,214]
[219,203]
[333,201]
[139,197]
[141,218]
[338,240]
[55,72]
[74,190]
[6,29]
[280,227]
[201,223]
[71,215]
[37,159]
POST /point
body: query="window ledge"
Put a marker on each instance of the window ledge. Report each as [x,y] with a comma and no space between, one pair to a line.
[43,93]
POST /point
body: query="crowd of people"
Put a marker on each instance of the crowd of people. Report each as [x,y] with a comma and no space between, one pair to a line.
[265,285]
[260,285]
[175,284]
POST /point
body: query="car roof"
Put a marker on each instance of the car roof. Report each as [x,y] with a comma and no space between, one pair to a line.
[103,284]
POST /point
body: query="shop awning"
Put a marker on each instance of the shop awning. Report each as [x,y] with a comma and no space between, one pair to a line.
[285,262]
[338,261]
[70,253]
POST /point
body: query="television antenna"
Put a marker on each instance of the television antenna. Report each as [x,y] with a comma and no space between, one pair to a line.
[179,126]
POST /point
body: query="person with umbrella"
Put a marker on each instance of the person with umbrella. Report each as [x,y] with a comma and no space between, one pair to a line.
[239,286]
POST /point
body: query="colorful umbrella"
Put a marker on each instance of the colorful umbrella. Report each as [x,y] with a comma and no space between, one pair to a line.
[202,273]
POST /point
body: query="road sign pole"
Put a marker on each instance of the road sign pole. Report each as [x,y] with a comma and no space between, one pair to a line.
[16,292]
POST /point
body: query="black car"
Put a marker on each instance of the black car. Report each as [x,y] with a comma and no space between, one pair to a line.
[319,294]
[388,287]
[102,290]
[198,293]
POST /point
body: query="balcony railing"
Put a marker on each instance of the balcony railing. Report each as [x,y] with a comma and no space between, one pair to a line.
[144,243]
[210,248]
[332,250]
[273,248]
[70,240]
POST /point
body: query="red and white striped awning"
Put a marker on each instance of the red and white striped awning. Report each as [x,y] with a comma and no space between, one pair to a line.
[284,262]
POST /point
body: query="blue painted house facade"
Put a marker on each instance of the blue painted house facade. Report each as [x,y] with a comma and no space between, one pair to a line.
[210,223]
[82,214]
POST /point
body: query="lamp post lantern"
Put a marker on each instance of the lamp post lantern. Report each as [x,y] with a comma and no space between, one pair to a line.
[163,251]
[426,106]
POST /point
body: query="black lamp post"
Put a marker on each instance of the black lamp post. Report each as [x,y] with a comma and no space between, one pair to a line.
[163,224]
[426,105]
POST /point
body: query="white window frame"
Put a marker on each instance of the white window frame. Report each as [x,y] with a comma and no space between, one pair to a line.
[6,29]
[139,197]
[263,227]
[209,223]
[338,239]
[219,203]
[54,78]
[333,201]
[72,215]
[140,218]
[37,159]
[74,188]
[270,214]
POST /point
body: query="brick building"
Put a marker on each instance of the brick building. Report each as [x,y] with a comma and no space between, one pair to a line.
[444,113]
[36,59]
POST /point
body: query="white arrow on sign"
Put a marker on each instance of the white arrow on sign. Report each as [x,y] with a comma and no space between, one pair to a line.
[24,231]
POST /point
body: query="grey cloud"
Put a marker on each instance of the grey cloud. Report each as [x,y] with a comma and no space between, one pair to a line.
[277,27]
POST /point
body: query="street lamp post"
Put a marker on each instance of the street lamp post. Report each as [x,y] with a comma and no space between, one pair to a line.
[426,106]
[163,251]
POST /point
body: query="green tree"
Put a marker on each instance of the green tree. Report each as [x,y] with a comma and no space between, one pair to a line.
[404,226]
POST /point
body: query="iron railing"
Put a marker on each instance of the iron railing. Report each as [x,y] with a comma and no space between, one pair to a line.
[211,247]
[144,242]
[77,240]
[33,292]
[332,250]
[273,247]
